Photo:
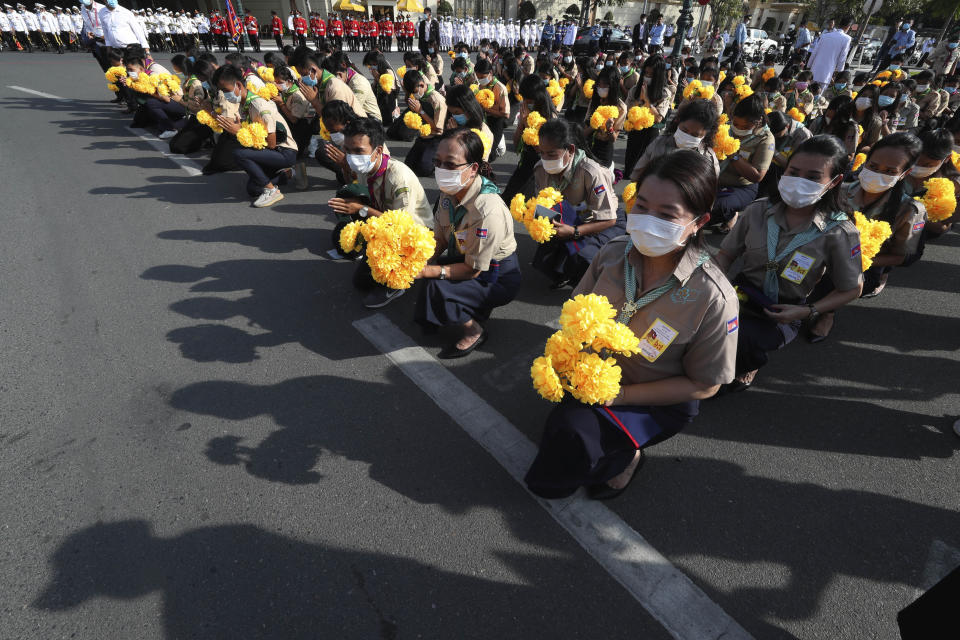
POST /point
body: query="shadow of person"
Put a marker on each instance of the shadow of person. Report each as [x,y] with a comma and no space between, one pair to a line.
[240,581]
[808,535]
[184,190]
[269,239]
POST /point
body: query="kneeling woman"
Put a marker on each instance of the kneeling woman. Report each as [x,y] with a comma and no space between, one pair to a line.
[474,230]
[589,218]
[685,312]
[788,243]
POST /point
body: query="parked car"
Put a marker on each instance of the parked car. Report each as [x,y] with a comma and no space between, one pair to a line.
[871,48]
[760,43]
[619,41]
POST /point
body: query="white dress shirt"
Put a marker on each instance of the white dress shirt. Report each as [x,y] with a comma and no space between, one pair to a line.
[121,27]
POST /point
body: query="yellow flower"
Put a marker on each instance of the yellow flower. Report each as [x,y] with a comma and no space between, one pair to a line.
[486,98]
[252,135]
[268,91]
[602,114]
[535,120]
[692,88]
[266,74]
[487,141]
[858,160]
[204,118]
[564,82]
[412,120]
[722,119]
[721,78]
[425,130]
[474,87]
[940,199]
[582,316]
[451,54]
[853,95]
[540,229]
[401,71]
[531,136]
[588,88]
[143,84]
[594,380]
[883,75]
[545,379]
[873,233]
[348,236]
[796,114]
[324,133]
[398,248]
[860,130]
[743,91]
[113,87]
[877,83]
[723,143]
[955,159]
[769,73]
[738,81]
[562,351]
[614,336]
[386,82]
[518,207]
[630,196]
[115,73]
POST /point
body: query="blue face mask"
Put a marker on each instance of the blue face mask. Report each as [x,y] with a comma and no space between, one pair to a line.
[905,27]
[307,80]
[191,59]
[885,101]
[608,63]
[461,55]
[667,66]
[112,4]
[894,67]
[840,86]
[460,118]
[624,69]
[952,45]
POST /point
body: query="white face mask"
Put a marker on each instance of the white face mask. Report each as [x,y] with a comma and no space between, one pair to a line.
[653,236]
[799,192]
[553,167]
[685,140]
[706,83]
[923,172]
[864,103]
[484,81]
[922,87]
[603,91]
[740,132]
[448,180]
[337,138]
[360,163]
[873,182]
[133,75]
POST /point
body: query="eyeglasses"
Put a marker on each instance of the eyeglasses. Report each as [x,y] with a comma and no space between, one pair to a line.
[448,165]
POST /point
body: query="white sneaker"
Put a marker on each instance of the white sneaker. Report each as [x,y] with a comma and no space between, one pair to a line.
[166,135]
[268,197]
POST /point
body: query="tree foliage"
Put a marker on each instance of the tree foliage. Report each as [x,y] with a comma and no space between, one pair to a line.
[444,8]
[527,11]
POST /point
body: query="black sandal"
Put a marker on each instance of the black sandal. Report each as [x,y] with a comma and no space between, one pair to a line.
[606,492]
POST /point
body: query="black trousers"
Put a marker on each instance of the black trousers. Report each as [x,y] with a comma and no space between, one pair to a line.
[191,137]
[637,143]
[522,175]
[24,39]
[254,40]
[221,158]
[421,154]
[279,40]
[496,125]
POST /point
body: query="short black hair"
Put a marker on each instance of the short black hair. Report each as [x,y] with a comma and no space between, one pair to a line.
[370,127]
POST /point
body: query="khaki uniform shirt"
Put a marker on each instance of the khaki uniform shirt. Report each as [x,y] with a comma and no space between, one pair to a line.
[701,316]
[907,228]
[796,135]
[485,234]
[659,108]
[758,152]
[836,251]
[298,105]
[266,112]
[193,89]
[337,89]
[400,188]
[364,91]
[929,103]
[666,144]
[830,92]
[630,81]
[591,186]
[438,105]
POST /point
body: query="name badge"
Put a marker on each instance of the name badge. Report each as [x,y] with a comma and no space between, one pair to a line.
[461,239]
[798,267]
[656,339]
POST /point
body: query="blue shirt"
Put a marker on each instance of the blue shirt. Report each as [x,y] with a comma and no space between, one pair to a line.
[656,34]
[595,32]
[547,32]
[903,40]
[803,37]
[740,35]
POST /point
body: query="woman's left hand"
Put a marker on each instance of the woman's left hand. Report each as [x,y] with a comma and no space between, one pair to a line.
[785,313]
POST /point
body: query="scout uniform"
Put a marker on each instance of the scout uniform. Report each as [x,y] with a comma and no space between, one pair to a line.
[588,196]
[688,326]
[261,164]
[736,191]
[629,80]
[420,156]
[796,134]
[667,144]
[394,186]
[907,226]
[191,137]
[478,232]
[361,88]
[601,142]
[929,103]
[330,88]
[787,274]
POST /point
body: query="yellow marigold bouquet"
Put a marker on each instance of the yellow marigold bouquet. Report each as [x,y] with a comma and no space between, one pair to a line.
[873,233]
[531,133]
[604,113]
[796,114]
[486,98]
[743,91]
[883,75]
[540,228]
[723,143]
[386,82]
[167,83]
[487,141]
[696,90]
[638,118]
[324,132]
[397,246]
[858,161]
[266,74]
[112,75]
[204,118]
[252,135]
[564,82]
[940,199]
[588,88]
[401,71]
[474,88]
[955,159]
[414,121]
[721,78]
[556,92]
[268,91]
[860,130]
[739,81]
[592,376]
[452,54]
[769,73]
[144,83]
[630,196]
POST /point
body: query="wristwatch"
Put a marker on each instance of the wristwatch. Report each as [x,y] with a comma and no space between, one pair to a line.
[576,232]
[443,273]
[814,314]
[364,212]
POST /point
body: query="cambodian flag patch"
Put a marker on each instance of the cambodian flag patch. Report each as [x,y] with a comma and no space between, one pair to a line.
[855,251]
[481,233]
[919,226]
[597,190]
[733,325]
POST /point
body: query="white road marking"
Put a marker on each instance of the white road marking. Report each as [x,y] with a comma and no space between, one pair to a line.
[190,166]
[669,595]
[36,93]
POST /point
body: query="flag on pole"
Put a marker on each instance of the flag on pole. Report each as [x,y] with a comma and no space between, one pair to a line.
[233,23]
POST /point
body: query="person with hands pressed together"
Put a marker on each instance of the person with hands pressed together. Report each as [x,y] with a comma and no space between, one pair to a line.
[475,268]
[684,311]
[935,162]
[496,114]
[589,216]
[266,168]
[319,86]
[426,102]
[813,240]
[606,92]
[299,113]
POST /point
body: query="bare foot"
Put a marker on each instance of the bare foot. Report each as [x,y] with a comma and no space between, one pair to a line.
[471,333]
[747,378]
[620,481]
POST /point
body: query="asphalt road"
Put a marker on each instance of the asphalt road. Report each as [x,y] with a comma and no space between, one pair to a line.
[195,442]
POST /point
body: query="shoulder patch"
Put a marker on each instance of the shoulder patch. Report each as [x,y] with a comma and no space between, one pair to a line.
[400,191]
[597,190]
[733,324]
[855,251]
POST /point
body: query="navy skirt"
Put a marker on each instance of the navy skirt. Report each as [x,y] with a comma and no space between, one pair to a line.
[454,302]
[584,445]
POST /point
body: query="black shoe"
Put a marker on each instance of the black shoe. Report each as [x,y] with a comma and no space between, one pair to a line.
[451,352]
[606,492]
[559,284]
[814,338]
